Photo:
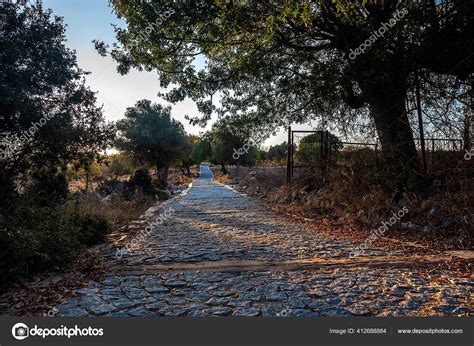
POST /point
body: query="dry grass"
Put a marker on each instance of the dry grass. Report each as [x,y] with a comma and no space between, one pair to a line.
[355,198]
[219,177]
[261,182]
[118,211]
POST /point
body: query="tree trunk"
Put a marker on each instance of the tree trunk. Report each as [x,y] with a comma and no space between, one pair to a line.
[394,131]
[387,106]
[88,171]
[468,119]
[223,169]
[467,130]
[162,174]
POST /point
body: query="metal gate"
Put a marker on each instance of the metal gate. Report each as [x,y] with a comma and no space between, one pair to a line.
[325,162]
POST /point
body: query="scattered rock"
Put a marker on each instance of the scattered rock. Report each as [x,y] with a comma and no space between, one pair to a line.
[163,195]
[428,229]
[75,312]
[275,296]
[436,210]
[49,281]
[77,195]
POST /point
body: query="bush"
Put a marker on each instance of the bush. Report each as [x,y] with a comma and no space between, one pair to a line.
[35,238]
[93,227]
[47,187]
[141,180]
[107,187]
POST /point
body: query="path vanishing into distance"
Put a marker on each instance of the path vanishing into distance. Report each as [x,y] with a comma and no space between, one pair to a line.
[215,252]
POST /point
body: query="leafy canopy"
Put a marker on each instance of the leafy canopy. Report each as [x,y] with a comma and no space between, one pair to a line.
[278,62]
[150,134]
[47,114]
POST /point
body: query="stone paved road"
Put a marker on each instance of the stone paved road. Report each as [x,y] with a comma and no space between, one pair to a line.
[214,252]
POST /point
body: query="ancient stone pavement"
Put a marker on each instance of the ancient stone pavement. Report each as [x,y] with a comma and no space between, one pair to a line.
[214,252]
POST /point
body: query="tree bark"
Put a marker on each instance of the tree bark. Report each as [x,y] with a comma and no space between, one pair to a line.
[387,106]
[468,119]
[223,169]
[162,174]
[87,179]
[467,135]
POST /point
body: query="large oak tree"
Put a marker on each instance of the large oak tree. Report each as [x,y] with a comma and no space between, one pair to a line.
[277,62]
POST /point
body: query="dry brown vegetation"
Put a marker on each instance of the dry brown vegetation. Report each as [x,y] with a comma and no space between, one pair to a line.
[354,199]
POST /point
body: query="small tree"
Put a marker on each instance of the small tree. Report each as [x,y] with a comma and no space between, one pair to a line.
[117,168]
[120,164]
[150,135]
[310,147]
[278,152]
[202,149]
[231,145]
[188,159]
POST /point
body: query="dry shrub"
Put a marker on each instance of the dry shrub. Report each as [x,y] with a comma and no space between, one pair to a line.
[177,179]
[118,210]
[180,180]
[357,192]
[219,176]
[262,181]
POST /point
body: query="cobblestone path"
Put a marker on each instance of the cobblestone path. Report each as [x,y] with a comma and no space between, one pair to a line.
[214,252]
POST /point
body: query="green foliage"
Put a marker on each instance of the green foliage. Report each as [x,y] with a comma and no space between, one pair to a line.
[278,152]
[48,120]
[260,155]
[202,149]
[309,148]
[188,150]
[117,168]
[45,106]
[276,63]
[141,179]
[34,238]
[47,187]
[121,165]
[149,134]
[231,144]
[92,228]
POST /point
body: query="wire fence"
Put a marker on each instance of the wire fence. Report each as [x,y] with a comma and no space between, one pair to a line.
[319,149]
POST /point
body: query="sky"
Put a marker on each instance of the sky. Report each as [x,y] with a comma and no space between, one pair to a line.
[88,20]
